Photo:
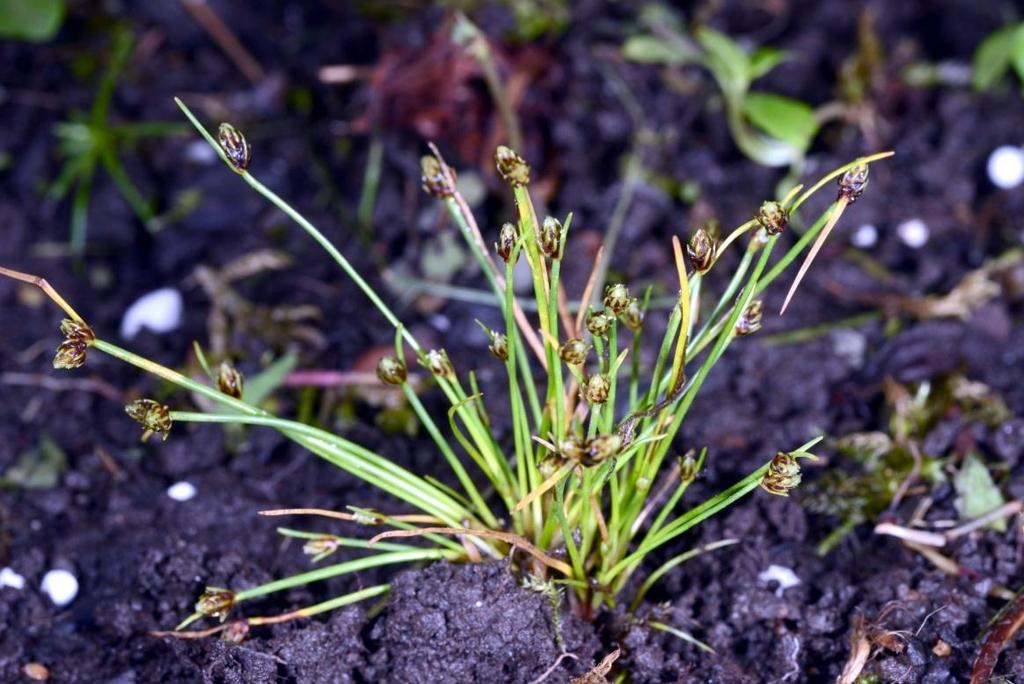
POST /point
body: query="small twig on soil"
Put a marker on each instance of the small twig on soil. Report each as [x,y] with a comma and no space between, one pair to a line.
[95,385]
[222,34]
[343,73]
[1005,511]
[999,636]
[860,649]
[507,537]
[551,670]
[917,536]
[596,675]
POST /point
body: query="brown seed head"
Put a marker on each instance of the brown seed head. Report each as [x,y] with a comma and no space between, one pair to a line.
[773,217]
[599,322]
[601,448]
[438,179]
[70,354]
[391,370]
[633,316]
[616,298]
[506,243]
[573,448]
[783,474]
[551,238]
[215,602]
[853,183]
[154,417]
[701,250]
[749,321]
[72,351]
[499,345]
[438,363]
[596,389]
[77,330]
[688,468]
[230,381]
[236,147]
[320,547]
[574,351]
[511,167]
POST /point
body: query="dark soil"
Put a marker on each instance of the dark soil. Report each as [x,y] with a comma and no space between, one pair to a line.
[142,558]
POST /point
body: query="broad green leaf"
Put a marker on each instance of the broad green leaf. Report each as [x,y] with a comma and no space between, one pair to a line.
[781,117]
[31,20]
[977,494]
[262,385]
[992,58]
[764,59]
[38,468]
[1017,52]
[727,61]
[647,49]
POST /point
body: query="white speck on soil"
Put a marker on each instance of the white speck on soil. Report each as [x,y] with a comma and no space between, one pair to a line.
[181,491]
[1006,167]
[159,311]
[781,574]
[865,236]
[9,578]
[914,233]
[61,586]
[850,346]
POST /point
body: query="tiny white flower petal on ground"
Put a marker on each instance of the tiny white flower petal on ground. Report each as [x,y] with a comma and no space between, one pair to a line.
[914,233]
[159,311]
[781,574]
[9,578]
[1006,167]
[181,491]
[61,586]
[865,236]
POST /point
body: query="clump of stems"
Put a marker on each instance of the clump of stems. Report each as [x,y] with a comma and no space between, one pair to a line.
[579,493]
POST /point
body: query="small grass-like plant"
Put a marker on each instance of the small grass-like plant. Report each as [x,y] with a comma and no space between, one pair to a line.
[586,487]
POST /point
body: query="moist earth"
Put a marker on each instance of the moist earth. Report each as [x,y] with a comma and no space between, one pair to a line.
[142,558]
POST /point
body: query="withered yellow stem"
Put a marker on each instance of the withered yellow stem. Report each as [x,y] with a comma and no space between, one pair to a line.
[507,537]
[542,487]
[684,304]
[43,285]
[587,291]
[837,212]
[339,515]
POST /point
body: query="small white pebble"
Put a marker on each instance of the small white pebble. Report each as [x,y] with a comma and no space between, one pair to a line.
[159,311]
[913,233]
[1006,167]
[478,604]
[441,322]
[865,236]
[9,578]
[850,346]
[181,491]
[61,586]
[781,574]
